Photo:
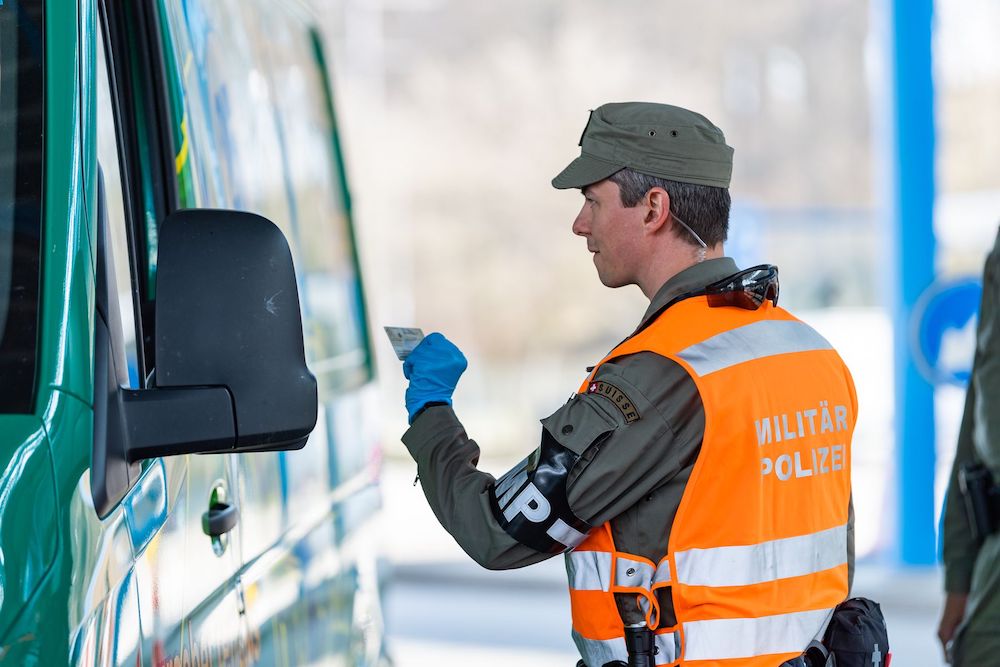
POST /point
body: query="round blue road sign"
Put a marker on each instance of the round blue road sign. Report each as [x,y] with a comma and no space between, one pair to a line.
[944,330]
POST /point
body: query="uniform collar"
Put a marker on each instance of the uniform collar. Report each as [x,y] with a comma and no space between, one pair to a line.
[691,279]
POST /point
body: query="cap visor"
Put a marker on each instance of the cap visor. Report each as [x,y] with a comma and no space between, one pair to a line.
[583,171]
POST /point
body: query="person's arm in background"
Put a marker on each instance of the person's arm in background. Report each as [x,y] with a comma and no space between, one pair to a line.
[986,375]
[959,550]
[850,544]
[978,441]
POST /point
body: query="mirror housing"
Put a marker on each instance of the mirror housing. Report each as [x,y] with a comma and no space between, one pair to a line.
[230,369]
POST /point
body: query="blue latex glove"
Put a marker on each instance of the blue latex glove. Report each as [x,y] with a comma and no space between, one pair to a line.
[433,369]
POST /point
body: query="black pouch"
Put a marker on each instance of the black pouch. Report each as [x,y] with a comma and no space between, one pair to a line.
[981,499]
[857,635]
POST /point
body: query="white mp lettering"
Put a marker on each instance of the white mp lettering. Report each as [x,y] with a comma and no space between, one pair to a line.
[531,503]
[783,467]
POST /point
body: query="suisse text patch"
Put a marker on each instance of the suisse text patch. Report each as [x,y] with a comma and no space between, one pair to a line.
[616,396]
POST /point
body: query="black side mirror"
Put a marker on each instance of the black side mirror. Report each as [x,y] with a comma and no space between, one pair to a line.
[230,369]
[230,364]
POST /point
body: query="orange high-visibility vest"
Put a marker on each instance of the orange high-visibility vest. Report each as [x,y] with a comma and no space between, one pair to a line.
[757,556]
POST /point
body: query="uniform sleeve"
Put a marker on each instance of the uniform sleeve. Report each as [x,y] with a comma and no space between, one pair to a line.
[651,443]
[459,493]
[618,439]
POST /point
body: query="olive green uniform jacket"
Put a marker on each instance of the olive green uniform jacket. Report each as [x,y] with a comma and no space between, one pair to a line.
[635,478]
[970,567]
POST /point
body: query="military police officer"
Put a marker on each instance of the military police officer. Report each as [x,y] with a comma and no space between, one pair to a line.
[970,623]
[699,480]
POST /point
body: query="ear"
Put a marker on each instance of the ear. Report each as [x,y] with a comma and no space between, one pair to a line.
[657,203]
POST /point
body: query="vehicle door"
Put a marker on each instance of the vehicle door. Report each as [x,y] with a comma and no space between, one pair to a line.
[149,550]
[323,569]
[265,141]
[29,500]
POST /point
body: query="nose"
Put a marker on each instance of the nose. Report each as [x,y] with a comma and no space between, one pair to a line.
[580,225]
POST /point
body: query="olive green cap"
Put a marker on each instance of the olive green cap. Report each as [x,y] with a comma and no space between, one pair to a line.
[653,139]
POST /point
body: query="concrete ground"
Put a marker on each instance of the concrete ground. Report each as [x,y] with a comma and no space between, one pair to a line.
[443,609]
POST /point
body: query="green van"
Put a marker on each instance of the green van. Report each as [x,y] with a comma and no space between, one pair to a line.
[164,164]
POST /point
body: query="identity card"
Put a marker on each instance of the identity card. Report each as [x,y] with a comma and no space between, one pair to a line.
[404,339]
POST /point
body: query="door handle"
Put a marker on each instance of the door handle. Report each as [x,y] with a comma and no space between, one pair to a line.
[219,519]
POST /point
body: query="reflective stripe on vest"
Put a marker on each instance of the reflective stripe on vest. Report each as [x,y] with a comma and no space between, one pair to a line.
[747,637]
[749,342]
[758,548]
[589,570]
[767,561]
[633,573]
[599,651]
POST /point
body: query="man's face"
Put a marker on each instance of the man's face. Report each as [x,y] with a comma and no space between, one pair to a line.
[613,233]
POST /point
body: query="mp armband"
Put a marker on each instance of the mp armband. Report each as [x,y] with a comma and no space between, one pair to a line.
[530,503]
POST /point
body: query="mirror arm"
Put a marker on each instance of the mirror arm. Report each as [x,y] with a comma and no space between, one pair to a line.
[172,421]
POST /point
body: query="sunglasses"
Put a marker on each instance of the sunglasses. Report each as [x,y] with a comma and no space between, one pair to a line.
[748,289]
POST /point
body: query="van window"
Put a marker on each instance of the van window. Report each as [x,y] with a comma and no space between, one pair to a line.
[21,163]
[114,200]
[262,139]
[335,328]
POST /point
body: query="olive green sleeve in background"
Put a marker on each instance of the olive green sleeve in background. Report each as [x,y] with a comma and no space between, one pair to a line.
[979,435]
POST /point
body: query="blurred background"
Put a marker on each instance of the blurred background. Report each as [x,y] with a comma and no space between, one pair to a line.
[456,115]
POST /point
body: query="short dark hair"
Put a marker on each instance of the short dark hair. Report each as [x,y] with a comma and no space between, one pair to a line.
[704,208]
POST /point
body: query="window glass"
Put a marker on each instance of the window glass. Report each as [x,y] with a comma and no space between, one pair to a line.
[21,173]
[335,326]
[107,158]
[234,148]
[261,139]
